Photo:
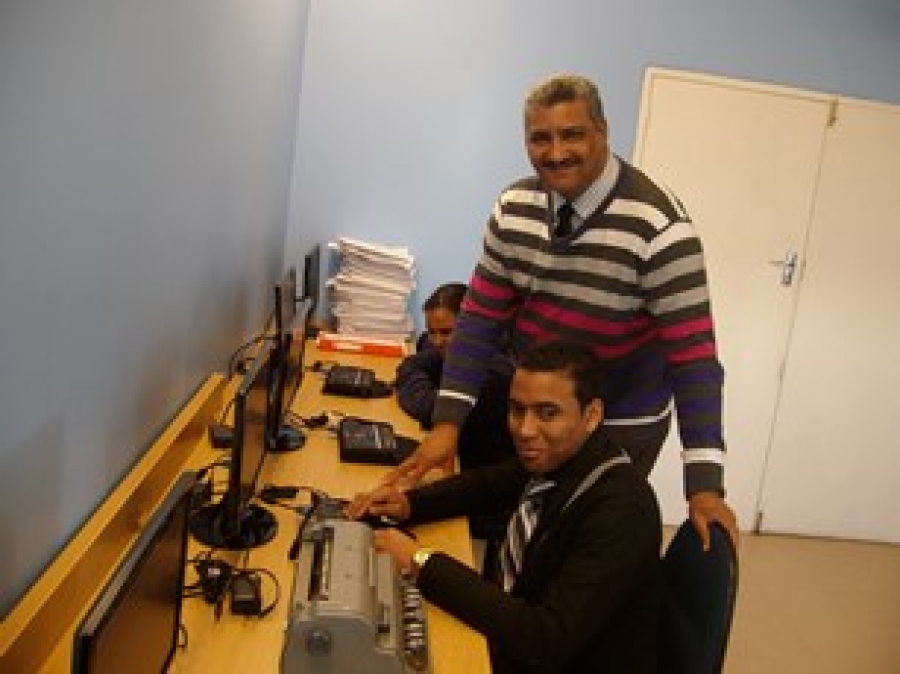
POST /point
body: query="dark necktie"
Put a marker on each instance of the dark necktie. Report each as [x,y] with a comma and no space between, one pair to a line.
[564,219]
[520,529]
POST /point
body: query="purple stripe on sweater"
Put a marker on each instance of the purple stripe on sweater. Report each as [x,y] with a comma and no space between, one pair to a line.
[686,329]
[696,352]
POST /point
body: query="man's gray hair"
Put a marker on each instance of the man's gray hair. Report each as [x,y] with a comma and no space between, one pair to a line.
[563,88]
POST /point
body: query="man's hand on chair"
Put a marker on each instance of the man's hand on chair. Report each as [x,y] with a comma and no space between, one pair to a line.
[706,507]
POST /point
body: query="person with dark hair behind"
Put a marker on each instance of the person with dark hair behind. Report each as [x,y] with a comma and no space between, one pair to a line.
[577,587]
[483,437]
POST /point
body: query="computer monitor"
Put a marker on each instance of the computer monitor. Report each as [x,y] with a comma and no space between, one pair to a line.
[133,624]
[289,340]
[311,278]
[286,301]
[235,522]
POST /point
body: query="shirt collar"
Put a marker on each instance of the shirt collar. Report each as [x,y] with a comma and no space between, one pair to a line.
[596,193]
[597,449]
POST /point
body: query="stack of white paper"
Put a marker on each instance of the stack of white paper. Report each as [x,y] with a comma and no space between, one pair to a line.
[370,292]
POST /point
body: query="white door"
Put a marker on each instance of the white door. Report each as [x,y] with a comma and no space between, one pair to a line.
[742,158]
[834,467]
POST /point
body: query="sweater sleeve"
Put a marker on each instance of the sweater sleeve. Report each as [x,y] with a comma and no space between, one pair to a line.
[487,312]
[417,384]
[485,490]
[678,297]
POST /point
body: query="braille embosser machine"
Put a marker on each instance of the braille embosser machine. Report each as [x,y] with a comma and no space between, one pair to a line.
[351,611]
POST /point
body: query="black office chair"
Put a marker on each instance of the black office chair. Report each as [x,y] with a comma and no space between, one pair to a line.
[699,596]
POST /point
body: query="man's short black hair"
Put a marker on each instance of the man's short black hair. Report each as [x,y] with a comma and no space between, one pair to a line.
[578,361]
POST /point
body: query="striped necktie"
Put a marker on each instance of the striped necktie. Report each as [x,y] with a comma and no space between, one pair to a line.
[520,529]
[564,219]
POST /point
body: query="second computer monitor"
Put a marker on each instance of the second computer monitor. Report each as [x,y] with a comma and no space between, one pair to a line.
[289,340]
[235,522]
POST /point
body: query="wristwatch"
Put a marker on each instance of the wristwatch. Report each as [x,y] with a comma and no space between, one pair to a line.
[419,558]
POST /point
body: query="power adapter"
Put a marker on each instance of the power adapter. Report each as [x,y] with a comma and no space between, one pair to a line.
[246,594]
[221,436]
[272,493]
[214,577]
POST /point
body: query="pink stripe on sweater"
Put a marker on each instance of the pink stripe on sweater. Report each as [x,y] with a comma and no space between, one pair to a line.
[540,334]
[579,321]
[483,286]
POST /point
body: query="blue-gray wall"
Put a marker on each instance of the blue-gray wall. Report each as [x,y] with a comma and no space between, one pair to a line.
[410,116]
[147,164]
[145,154]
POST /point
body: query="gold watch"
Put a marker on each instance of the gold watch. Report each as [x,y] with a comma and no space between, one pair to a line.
[419,558]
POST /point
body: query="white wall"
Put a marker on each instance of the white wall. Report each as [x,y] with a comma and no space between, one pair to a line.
[145,151]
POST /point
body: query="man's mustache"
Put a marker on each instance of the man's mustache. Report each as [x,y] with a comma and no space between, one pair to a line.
[565,163]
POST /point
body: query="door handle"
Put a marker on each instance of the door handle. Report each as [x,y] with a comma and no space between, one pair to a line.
[788,267]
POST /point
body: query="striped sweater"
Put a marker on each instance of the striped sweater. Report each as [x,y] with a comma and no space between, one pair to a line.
[631,281]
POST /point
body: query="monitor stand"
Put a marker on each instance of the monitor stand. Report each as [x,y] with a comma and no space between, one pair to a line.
[257,527]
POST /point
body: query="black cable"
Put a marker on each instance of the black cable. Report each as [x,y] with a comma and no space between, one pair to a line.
[210,467]
[321,420]
[294,550]
[232,360]
[318,498]
[292,417]
[322,366]
[297,510]
[275,495]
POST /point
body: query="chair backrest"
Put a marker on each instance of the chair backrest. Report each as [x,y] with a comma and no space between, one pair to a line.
[699,597]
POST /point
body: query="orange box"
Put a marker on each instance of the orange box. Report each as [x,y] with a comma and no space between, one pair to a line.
[374,346]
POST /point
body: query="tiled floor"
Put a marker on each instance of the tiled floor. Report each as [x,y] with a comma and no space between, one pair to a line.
[817,606]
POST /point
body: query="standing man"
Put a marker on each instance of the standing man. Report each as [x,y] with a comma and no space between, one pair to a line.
[579,569]
[591,249]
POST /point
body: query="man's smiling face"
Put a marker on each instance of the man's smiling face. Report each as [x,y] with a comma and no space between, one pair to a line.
[566,146]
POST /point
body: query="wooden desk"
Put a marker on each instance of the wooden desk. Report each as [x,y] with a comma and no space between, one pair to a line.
[251,645]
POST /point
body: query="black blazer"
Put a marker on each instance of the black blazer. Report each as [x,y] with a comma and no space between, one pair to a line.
[588,594]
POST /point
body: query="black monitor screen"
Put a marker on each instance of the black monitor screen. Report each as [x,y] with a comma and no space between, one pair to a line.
[290,341]
[286,302]
[311,278]
[234,522]
[133,624]
[251,411]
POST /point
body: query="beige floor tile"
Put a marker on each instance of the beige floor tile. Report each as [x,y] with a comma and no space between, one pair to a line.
[817,606]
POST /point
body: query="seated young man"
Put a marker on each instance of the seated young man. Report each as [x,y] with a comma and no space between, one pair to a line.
[581,593]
